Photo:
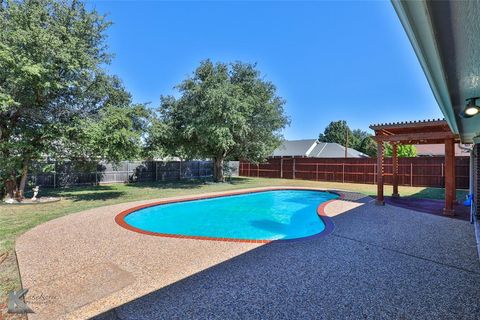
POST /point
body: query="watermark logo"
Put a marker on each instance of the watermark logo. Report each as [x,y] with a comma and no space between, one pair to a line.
[15,304]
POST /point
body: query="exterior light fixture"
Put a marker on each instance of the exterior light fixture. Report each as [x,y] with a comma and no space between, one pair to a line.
[471,109]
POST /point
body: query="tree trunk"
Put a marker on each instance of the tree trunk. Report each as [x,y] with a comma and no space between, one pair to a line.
[10,187]
[23,179]
[218,169]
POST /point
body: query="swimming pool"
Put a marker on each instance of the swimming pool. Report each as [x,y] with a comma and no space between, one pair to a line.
[260,216]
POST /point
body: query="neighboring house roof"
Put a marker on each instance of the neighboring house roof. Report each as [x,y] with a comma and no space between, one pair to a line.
[315,149]
[290,148]
[334,150]
[432,150]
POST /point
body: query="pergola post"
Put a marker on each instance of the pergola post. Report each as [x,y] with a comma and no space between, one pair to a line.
[449,177]
[380,200]
[395,170]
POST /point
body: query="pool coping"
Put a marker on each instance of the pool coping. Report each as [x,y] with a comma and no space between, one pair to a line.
[327,221]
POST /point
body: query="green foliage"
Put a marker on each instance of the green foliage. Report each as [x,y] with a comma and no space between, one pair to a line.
[224,111]
[52,84]
[116,133]
[338,131]
[403,150]
[368,146]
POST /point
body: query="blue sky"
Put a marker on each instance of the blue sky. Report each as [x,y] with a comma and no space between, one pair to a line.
[329,60]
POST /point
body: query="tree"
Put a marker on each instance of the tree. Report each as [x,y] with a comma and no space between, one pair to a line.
[363,142]
[403,150]
[367,146]
[337,132]
[224,111]
[115,134]
[52,84]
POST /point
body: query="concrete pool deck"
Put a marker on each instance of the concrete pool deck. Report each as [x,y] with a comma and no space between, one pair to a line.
[379,262]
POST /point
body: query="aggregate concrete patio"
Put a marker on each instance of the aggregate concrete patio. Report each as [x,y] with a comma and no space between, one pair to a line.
[379,262]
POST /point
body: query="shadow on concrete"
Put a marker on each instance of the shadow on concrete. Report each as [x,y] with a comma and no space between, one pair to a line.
[380,262]
[438,193]
[429,206]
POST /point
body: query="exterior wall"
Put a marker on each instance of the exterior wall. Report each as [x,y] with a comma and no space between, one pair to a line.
[476,178]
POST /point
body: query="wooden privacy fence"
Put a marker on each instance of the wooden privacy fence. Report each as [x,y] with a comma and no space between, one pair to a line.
[416,172]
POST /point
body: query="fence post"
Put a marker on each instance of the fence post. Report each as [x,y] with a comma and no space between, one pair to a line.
[55,175]
[374,173]
[281,167]
[258,170]
[163,175]
[249,169]
[96,177]
[293,171]
[411,174]
[180,171]
[343,172]
[156,170]
[316,171]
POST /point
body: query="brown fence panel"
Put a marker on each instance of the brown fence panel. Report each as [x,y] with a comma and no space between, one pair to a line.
[417,172]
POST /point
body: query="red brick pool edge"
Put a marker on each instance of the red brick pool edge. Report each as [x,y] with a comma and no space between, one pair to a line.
[329,226]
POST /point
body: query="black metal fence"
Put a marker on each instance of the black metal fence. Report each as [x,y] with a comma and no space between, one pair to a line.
[73,173]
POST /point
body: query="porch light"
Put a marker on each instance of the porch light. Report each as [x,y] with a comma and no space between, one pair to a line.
[471,109]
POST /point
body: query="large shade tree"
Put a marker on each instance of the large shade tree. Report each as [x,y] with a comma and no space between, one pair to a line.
[339,132]
[224,110]
[54,92]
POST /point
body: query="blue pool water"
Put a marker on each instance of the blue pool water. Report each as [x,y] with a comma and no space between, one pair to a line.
[270,215]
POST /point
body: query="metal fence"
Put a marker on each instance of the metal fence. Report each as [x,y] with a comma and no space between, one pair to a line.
[73,173]
[417,172]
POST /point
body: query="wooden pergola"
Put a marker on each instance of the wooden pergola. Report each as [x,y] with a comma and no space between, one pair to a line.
[416,132]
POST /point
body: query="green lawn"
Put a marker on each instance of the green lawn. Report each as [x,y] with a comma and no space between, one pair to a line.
[15,220]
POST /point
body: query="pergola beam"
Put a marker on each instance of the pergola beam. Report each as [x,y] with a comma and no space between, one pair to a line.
[408,137]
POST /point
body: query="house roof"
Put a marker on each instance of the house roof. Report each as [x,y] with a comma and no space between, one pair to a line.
[444,36]
[315,149]
[334,150]
[295,148]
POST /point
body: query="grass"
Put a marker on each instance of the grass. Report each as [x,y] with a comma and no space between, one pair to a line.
[15,220]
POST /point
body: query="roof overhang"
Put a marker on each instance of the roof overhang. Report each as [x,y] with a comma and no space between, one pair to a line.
[446,38]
